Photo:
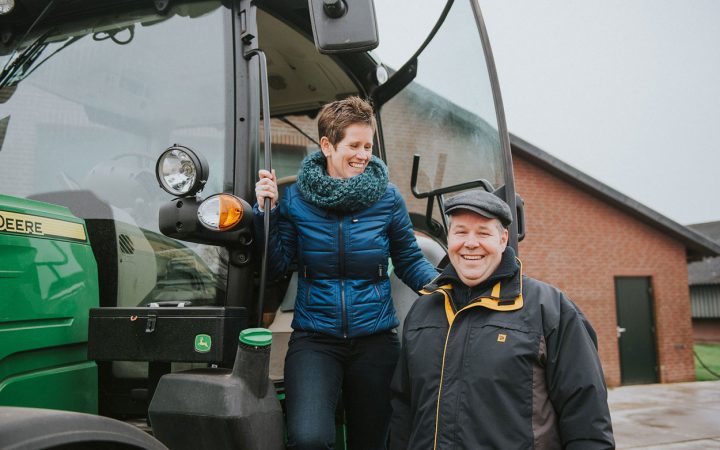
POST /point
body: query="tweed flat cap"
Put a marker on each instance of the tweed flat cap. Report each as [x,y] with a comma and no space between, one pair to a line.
[480,202]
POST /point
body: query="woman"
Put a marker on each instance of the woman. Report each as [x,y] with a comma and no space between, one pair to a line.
[342,220]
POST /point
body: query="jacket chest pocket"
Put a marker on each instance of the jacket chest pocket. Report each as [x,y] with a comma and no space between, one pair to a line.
[424,349]
[501,354]
[367,233]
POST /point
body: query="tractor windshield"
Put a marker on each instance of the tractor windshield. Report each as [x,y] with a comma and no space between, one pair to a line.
[428,78]
[447,114]
[84,115]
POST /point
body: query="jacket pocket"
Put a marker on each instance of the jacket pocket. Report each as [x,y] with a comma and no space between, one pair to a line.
[308,292]
[365,292]
[321,294]
[378,296]
[497,349]
[424,346]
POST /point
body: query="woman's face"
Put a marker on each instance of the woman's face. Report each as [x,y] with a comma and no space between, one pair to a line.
[350,156]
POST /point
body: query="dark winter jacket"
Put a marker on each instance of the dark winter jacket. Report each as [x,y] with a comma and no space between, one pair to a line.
[516,368]
[343,286]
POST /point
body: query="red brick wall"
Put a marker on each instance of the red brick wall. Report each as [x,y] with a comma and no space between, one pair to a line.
[580,244]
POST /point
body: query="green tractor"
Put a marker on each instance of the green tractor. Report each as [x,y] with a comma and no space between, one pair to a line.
[110,285]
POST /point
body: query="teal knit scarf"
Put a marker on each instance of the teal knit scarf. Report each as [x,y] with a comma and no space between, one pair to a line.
[342,195]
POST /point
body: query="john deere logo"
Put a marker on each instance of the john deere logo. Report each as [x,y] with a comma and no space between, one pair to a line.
[203,342]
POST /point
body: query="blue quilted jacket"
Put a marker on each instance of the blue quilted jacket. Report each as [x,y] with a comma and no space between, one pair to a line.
[343,286]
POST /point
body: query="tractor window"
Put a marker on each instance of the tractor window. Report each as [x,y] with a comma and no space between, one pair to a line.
[395,18]
[293,138]
[84,126]
[446,115]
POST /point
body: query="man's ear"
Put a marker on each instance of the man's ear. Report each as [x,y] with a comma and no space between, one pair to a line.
[326,146]
[504,238]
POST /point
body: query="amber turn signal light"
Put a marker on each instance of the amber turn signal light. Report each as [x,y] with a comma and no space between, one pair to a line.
[221,212]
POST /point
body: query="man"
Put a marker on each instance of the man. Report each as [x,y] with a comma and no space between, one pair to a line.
[492,359]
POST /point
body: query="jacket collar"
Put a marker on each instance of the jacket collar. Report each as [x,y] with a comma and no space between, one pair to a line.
[502,291]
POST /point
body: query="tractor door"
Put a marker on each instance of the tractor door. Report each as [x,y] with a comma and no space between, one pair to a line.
[442,102]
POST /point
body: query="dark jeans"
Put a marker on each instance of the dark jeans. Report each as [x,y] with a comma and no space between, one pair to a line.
[318,368]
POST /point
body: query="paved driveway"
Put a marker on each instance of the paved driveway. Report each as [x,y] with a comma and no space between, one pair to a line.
[667,416]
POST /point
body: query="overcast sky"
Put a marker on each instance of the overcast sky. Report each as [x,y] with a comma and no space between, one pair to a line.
[625,91]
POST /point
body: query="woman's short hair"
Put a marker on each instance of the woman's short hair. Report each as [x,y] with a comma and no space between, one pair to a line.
[335,117]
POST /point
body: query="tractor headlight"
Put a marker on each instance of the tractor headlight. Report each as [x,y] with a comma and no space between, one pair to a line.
[181,172]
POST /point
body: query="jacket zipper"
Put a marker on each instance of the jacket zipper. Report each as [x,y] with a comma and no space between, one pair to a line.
[442,376]
[442,367]
[342,277]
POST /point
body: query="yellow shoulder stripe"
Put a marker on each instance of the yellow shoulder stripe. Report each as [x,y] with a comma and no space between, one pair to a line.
[492,302]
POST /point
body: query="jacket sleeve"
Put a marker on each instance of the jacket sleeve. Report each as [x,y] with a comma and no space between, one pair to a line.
[282,241]
[410,264]
[401,420]
[576,382]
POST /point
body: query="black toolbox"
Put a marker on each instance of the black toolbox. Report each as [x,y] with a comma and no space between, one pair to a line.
[165,334]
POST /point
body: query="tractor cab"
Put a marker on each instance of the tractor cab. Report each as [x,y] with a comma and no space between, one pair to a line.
[93,92]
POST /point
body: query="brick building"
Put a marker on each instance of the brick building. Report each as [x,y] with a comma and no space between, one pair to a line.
[601,248]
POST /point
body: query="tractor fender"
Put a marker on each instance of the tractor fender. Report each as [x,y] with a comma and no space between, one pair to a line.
[41,429]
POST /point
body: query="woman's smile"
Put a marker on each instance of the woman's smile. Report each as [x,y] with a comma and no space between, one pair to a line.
[350,156]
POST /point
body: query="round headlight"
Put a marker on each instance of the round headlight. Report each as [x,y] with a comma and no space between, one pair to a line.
[181,172]
[221,212]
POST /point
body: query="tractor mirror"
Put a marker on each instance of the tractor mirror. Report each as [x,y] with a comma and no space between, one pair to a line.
[341,26]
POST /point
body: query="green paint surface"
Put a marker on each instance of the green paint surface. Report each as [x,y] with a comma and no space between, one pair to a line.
[47,287]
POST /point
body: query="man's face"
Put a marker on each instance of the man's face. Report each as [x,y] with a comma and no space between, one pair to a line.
[351,155]
[475,246]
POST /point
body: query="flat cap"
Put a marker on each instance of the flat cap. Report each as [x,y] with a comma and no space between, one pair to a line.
[480,202]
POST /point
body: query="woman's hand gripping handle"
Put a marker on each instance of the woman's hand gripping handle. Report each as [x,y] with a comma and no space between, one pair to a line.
[266,188]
